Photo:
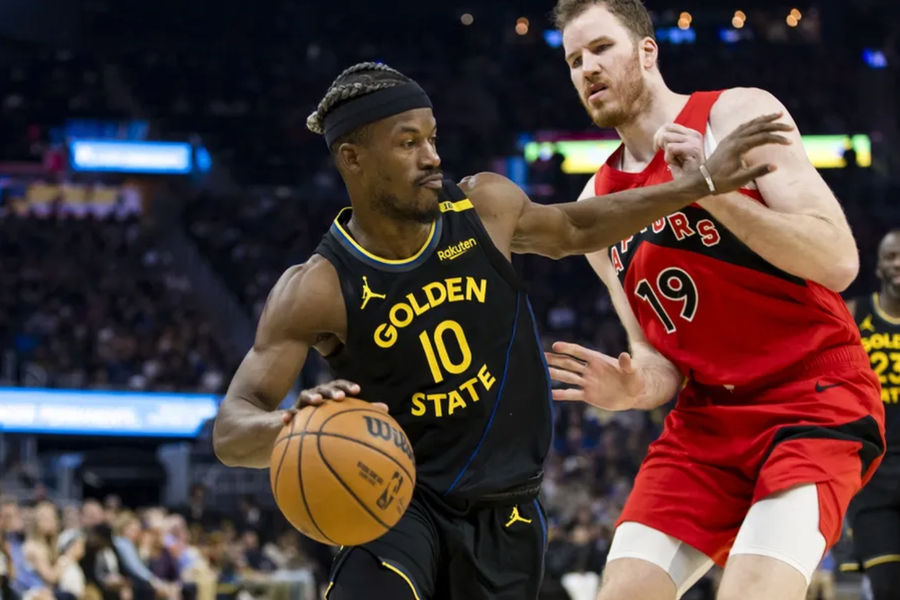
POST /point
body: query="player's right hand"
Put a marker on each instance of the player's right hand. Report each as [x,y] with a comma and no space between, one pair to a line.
[726,165]
[335,390]
[597,379]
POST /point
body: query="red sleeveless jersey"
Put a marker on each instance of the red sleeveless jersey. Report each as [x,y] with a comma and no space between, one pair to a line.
[715,308]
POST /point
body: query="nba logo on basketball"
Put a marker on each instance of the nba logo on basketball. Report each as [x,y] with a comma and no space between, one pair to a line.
[387,496]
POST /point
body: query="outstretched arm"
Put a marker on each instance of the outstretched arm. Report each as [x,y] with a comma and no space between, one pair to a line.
[559,230]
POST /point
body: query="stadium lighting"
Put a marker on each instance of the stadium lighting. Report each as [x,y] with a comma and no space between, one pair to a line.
[467,19]
[586,156]
[522,25]
[792,21]
[737,21]
[796,14]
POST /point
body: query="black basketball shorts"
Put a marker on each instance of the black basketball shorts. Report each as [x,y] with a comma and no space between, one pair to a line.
[441,552]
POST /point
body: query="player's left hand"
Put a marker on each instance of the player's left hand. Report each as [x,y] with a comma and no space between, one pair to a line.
[682,148]
[598,379]
[335,390]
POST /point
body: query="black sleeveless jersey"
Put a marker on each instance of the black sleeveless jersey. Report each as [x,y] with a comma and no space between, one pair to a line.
[447,339]
[881,338]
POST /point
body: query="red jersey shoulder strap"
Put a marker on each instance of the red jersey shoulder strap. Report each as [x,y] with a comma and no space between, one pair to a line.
[695,115]
[696,112]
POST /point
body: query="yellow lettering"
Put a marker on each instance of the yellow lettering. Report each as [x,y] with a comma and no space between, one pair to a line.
[436,399]
[454,289]
[418,408]
[436,293]
[385,335]
[895,341]
[456,401]
[429,356]
[469,386]
[396,320]
[895,395]
[449,365]
[479,289]
[487,380]
[419,310]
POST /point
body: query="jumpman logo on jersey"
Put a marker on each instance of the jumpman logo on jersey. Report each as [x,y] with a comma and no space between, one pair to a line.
[867,324]
[514,517]
[368,294]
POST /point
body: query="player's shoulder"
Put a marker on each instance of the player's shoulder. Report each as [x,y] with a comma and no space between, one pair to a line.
[737,105]
[304,298]
[493,195]
[486,185]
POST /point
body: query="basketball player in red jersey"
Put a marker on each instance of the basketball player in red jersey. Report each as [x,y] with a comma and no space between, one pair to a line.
[779,421]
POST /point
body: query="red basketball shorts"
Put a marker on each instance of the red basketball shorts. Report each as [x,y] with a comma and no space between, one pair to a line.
[721,451]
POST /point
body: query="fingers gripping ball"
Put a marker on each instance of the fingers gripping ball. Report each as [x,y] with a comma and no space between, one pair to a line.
[342,473]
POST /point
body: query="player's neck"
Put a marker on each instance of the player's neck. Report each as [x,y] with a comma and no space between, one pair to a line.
[663,107]
[889,304]
[386,237]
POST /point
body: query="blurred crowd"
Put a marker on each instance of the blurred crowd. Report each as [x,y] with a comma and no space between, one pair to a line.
[96,304]
[94,551]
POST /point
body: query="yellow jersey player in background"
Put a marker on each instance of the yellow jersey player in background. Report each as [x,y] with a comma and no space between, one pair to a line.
[875,512]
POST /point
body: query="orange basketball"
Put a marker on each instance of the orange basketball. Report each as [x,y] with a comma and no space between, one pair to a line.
[342,473]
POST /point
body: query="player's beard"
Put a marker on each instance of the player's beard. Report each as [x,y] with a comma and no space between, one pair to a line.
[412,209]
[631,97]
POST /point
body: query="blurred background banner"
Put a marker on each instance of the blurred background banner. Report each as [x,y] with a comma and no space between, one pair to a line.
[73,412]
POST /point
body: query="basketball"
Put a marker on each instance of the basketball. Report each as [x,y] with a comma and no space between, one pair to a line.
[342,472]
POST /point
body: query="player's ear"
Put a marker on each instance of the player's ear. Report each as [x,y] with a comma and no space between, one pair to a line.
[649,52]
[348,157]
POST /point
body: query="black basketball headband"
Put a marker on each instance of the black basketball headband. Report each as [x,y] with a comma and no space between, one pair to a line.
[356,112]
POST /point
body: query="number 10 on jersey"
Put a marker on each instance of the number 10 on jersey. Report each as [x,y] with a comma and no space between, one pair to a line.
[449,365]
[673,284]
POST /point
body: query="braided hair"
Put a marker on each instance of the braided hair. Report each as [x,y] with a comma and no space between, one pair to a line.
[358,80]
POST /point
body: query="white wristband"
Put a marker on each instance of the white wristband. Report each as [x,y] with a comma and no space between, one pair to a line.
[709,182]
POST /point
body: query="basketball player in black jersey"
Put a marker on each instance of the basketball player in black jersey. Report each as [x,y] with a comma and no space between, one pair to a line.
[411,296]
[874,513]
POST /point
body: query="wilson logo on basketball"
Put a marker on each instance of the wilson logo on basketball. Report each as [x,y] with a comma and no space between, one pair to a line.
[384,430]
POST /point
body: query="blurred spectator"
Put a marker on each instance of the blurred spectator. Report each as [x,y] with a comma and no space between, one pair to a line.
[41,550]
[285,553]
[197,511]
[253,555]
[92,514]
[250,517]
[101,565]
[127,533]
[71,580]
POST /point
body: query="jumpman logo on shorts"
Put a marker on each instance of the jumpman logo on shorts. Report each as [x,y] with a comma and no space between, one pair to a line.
[514,516]
[368,294]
